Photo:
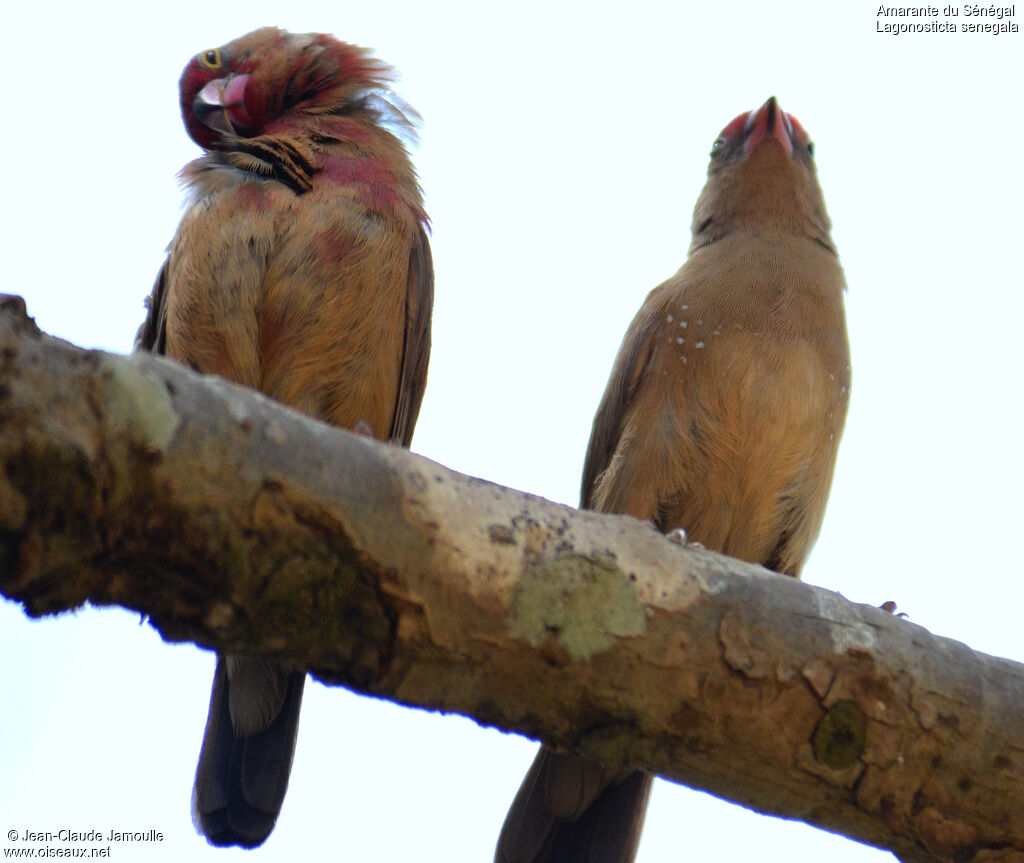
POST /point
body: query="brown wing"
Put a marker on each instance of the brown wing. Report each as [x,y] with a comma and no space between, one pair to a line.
[419,304]
[152,335]
[618,396]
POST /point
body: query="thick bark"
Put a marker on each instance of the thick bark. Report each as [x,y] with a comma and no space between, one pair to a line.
[235,523]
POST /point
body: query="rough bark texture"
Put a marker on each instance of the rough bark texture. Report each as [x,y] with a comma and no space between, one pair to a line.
[240,525]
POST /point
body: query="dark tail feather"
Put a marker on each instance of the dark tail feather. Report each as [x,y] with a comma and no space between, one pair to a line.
[571,810]
[241,781]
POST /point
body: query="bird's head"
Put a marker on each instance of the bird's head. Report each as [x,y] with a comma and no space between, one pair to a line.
[762,173]
[252,82]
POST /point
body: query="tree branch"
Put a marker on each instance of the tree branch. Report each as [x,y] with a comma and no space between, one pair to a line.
[240,525]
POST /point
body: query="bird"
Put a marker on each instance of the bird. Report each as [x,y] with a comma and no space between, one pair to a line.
[301,268]
[721,419]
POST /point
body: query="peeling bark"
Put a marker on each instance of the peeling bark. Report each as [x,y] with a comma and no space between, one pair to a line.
[238,524]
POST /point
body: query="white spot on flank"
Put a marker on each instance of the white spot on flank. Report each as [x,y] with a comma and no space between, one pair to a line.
[680,340]
[699,345]
[831,376]
[682,357]
[670,319]
[684,307]
[682,323]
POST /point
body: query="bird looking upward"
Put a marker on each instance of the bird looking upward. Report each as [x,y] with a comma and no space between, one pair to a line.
[301,268]
[722,417]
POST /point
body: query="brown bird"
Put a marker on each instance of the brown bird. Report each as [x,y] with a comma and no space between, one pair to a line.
[301,268]
[722,417]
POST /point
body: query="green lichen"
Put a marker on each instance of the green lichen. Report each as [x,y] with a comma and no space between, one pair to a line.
[140,404]
[583,602]
[840,736]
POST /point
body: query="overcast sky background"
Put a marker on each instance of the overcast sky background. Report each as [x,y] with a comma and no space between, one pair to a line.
[563,148]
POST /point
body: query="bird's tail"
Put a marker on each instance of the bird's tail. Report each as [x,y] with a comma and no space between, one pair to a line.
[572,810]
[247,750]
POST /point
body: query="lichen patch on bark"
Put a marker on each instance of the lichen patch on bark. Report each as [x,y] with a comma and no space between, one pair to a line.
[138,400]
[584,603]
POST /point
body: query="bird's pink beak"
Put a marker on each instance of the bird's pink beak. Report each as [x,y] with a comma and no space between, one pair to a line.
[768,121]
[220,105]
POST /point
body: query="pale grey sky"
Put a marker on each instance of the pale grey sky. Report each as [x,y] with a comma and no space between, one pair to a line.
[564,145]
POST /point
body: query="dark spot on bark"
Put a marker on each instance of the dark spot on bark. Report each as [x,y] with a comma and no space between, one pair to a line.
[501,533]
[839,739]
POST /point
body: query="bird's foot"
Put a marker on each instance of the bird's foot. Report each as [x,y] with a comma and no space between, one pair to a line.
[678,536]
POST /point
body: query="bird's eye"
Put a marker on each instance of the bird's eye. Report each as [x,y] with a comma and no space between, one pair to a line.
[810,149]
[719,143]
[211,59]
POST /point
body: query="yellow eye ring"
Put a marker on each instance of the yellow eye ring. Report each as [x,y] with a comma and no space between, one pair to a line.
[210,59]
